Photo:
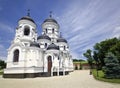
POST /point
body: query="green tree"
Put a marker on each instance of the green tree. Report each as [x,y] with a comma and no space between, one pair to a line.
[116,50]
[2,64]
[112,66]
[89,57]
[95,57]
[78,60]
[75,60]
[109,45]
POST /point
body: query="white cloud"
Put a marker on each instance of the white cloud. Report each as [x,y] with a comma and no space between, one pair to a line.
[3,58]
[83,26]
[3,52]
[5,27]
[116,32]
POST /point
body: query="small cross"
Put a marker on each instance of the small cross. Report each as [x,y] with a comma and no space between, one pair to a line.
[50,14]
[28,12]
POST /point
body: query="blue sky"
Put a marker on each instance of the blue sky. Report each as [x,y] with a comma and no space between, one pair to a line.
[82,22]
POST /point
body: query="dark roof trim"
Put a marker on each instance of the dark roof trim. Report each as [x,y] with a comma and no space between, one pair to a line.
[34,44]
[62,40]
[50,20]
[53,47]
[44,37]
[27,18]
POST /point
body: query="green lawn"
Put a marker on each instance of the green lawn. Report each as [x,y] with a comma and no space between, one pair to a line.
[1,72]
[101,77]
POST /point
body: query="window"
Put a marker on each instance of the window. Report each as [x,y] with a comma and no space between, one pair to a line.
[16,56]
[26,31]
[58,58]
[53,30]
[46,30]
[45,45]
[64,47]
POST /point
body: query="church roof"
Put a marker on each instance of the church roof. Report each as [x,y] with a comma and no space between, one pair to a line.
[62,40]
[50,20]
[53,46]
[35,44]
[27,18]
[44,36]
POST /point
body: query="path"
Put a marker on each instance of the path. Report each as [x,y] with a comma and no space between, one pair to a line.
[77,79]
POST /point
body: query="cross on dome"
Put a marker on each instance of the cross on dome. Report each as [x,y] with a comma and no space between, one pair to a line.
[28,12]
[50,14]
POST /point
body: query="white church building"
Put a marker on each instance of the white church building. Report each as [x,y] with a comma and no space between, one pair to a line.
[30,55]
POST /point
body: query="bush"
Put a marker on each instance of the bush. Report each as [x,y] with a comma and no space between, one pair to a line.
[101,77]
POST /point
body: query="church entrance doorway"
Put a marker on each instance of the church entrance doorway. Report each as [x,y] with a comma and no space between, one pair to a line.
[49,64]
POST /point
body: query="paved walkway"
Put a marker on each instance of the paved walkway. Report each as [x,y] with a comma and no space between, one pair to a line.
[77,79]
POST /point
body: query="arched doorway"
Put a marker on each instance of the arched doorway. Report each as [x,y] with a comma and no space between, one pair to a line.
[49,64]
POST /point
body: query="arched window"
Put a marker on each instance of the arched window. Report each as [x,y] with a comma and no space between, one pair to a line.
[53,30]
[45,45]
[46,30]
[26,30]
[64,48]
[16,56]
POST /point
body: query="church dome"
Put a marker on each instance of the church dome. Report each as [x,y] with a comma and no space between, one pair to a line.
[50,20]
[34,44]
[27,18]
[44,37]
[53,46]
[62,40]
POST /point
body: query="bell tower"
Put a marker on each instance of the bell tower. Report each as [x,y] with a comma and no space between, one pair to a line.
[51,28]
[26,30]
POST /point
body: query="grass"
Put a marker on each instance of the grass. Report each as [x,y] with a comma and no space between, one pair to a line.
[82,62]
[1,72]
[101,77]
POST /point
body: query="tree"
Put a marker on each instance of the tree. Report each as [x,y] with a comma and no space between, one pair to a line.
[75,60]
[112,66]
[89,57]
[116,50]
[109,45]
[78,60]
[95,57]
[2,64]
[81,60]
